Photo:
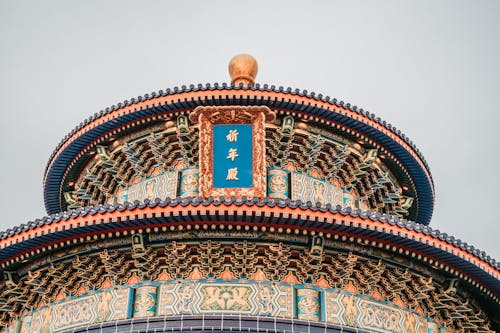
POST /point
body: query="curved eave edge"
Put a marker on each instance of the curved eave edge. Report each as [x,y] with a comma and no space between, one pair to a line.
[404,234]
[225,86]
[59,164]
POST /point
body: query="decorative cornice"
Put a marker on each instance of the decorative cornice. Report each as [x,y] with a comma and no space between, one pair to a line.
[370,228]
[232,86]
[311,105]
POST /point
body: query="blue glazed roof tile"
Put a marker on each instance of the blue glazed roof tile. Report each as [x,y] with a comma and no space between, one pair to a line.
[51,192]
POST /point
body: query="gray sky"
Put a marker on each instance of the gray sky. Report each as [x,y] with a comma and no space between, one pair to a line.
[431,68]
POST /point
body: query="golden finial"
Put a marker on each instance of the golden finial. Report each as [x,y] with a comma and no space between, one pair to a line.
[243,69]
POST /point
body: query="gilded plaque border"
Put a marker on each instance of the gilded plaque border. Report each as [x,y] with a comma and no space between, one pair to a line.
[207,116]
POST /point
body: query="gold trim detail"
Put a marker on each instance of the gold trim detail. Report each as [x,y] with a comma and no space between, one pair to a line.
[257,116]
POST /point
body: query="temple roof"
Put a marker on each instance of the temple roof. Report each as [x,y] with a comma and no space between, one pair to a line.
[421,242]
[316,106]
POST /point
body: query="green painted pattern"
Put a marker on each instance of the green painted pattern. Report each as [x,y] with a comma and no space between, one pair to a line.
[218,296]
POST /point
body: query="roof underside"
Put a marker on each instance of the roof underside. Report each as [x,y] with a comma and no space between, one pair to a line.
[187,99]
[401,234]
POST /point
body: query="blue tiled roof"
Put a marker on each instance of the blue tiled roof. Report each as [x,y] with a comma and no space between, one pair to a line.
[192,204]
[421,176]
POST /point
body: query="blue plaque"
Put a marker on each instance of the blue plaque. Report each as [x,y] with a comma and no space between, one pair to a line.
[232,155]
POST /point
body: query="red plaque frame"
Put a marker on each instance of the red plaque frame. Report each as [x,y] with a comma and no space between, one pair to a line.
[257,116]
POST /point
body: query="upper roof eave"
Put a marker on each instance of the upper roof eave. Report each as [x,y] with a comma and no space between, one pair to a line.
[53,174]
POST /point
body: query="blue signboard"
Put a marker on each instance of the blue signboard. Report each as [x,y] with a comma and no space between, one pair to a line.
[232,155]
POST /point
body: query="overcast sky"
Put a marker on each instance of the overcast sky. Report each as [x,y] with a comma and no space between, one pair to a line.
[431,68]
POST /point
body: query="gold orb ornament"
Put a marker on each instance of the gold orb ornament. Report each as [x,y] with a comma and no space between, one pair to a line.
[243,69]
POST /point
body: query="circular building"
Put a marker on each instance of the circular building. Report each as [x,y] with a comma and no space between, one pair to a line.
[240,207]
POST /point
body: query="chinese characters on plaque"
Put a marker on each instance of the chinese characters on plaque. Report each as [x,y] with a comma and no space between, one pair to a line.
[232,155]
[232,158]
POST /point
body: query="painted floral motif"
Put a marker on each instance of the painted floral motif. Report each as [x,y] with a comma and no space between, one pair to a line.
[190,182]
[194,297]
[379,317]
[73,313]
[307,188]
[308,306]
[145,301]
[351,311]
[226,298]
[277,184]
